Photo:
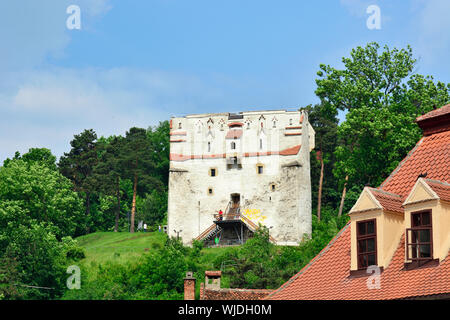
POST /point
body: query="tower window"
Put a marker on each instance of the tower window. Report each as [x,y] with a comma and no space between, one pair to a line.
[209,146]
[366,243]
[272,187]
[233,145]
[213,172]
[260,168]
[179,125]
[210,191]
[260,144]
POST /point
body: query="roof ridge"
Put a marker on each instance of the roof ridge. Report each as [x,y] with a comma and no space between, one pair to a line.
[438,182]
[306,267]
[386,192]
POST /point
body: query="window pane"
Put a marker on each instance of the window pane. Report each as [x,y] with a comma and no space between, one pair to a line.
[361,228]
[363,261]
[424,235]
[371,259]
[362,246]
[416,220]
[370,245]
[371,227]
[425,251]
[426,219]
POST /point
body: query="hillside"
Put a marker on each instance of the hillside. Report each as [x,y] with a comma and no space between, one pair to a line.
[123,247]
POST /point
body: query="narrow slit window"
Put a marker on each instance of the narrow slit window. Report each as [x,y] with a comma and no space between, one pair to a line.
[260,169]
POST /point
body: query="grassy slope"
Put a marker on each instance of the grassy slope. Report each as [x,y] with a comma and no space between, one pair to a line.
[121,247]
[118,246]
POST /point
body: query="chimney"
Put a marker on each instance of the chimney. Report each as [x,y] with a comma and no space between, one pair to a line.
[212,280]
[189,286]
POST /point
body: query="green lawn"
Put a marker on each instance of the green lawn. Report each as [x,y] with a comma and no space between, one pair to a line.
[122,247]
[118,246]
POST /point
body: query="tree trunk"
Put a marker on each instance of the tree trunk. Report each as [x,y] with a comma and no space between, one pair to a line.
[319,197]
[133,206]
[341,206]
[88,210]
[116,227]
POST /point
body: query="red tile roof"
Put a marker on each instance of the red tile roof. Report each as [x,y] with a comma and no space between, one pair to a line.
[233,294]
[234,134]
[213,273]
[431,155]
[327,277]
[389,201]
[435,113]
[442,189]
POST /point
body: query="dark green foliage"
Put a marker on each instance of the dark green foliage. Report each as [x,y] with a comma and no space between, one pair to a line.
[382,97]
[31,192]
[78,166]
[158,275]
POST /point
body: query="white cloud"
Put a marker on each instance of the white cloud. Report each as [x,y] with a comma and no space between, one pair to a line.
[46,108]
[32,30]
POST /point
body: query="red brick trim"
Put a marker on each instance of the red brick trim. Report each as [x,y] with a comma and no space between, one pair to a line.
[292,133]
[286,152]
[181,133]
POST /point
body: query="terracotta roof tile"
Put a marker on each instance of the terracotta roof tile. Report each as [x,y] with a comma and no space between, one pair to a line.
[233,294]
[327,276]
[435,113]
[234,134]
[389,201]
[442,189]
[431,155]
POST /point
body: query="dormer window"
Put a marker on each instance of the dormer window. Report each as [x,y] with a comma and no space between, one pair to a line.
[366,243]
[420,237]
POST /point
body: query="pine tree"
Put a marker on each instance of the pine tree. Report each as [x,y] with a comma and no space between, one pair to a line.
[78,164]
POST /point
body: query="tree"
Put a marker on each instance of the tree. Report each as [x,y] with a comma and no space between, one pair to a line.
[325,125]
[108,171]
[137,164]
[38,211]
[382,98]
[41,155]
[78,164]
[43,195]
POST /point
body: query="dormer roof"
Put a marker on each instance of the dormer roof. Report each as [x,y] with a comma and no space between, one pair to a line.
[426,166]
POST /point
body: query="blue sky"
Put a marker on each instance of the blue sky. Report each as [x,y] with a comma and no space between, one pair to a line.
[137,62]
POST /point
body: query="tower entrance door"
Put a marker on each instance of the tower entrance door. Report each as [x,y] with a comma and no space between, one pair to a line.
[235,200]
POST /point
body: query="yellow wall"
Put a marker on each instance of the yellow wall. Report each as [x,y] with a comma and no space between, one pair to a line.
[389,232]
[440,215]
